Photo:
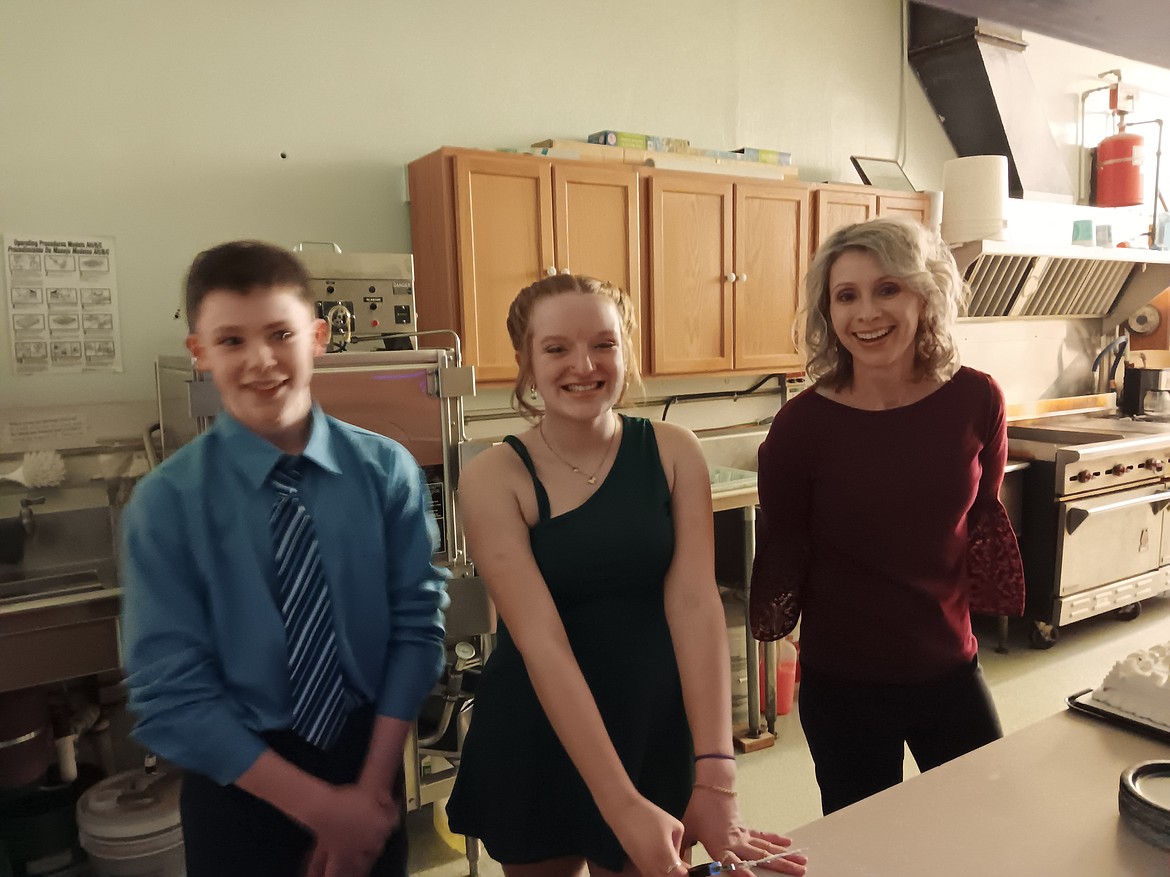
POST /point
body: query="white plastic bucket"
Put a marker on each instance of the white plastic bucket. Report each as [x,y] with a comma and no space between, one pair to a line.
[975,195]
[129,825]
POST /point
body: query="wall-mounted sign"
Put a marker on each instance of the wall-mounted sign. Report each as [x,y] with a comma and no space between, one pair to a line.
[62,304]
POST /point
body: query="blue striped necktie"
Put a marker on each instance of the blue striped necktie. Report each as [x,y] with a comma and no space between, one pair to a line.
[317,684]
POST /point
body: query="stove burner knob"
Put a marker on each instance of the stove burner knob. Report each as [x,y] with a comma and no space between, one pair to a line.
[1119,469]
[1153,464]
[1084,475]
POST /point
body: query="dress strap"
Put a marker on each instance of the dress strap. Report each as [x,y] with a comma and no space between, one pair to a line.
[541,495]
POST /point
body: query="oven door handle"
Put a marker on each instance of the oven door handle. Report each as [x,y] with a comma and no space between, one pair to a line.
[1077,516]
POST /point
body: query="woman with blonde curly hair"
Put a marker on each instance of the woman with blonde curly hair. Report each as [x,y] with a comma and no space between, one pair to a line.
[881,525]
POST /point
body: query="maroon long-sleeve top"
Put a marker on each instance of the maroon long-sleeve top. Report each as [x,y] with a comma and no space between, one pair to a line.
[865,520]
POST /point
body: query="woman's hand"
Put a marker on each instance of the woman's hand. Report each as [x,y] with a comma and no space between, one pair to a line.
[714,820]
[651,838]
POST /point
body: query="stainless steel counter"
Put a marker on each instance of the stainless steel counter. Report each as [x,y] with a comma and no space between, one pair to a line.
[1040,803]
[59,607]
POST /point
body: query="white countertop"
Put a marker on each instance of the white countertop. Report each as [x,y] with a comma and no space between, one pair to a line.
[1042,802]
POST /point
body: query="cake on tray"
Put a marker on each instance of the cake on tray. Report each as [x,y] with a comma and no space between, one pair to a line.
[1139,685]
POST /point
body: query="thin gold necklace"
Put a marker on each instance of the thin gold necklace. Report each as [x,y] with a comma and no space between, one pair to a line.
[591,479]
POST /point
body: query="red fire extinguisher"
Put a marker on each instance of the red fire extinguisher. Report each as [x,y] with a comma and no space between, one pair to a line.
[1119,170]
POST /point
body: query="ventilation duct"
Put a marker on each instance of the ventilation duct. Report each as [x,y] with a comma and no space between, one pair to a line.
[1013,280]
[975,76]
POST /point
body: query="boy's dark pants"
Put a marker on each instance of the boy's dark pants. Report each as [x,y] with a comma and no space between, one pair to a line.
[231,833]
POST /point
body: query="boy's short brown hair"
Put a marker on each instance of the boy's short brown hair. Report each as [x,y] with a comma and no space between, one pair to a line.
[242,267]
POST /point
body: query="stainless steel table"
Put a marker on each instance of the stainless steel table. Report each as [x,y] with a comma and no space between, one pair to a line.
[1040,802]
[746,499]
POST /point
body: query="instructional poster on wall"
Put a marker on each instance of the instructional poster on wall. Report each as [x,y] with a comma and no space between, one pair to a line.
[62,305]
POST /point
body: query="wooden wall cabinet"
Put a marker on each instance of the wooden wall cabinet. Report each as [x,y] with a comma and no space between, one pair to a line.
[484,226]
[914,205]
[839,204]
[727,259]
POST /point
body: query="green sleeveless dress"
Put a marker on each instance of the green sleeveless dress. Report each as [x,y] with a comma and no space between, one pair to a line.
[605,564]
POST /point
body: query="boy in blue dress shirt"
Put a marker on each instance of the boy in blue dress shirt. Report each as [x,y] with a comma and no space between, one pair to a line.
[282,619]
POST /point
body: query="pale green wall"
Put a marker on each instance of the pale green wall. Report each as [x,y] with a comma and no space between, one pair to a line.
[161,123]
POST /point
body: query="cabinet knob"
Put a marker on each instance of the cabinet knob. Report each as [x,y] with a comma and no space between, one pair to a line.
[743,278]
[566,271]
[730,278]
[550,271]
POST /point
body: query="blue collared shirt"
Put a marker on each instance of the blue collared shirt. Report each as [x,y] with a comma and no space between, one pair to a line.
[202,635]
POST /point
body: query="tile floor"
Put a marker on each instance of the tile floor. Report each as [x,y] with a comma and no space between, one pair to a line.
[777,786]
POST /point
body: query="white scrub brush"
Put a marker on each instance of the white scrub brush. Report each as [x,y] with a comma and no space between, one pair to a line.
[38,469]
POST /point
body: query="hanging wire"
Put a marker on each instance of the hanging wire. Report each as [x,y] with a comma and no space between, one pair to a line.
[724,394]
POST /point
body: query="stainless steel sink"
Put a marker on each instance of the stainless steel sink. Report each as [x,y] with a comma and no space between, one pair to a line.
[18,590]
[57,626]
[59,606]
[729,478]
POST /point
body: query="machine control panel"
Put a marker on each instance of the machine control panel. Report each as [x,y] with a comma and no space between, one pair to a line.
[1080,470]
[364,294]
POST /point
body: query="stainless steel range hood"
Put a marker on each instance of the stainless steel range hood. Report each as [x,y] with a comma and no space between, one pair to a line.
[1010,279]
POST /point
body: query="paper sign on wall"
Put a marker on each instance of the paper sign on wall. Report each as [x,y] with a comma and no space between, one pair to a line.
[62,304]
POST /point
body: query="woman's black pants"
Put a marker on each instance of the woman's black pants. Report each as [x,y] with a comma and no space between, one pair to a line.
[857,731]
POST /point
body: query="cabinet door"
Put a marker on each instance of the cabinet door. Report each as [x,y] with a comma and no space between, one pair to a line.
[835,209]
[690,290]
[771,249]
[597,230]
[917,207]
[505,233]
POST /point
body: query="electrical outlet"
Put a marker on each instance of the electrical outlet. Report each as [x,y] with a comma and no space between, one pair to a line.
[795,385]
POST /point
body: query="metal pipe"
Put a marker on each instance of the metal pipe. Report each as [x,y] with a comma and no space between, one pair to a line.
[1081,137]
[1157,173]
[733,395]
[1118,344]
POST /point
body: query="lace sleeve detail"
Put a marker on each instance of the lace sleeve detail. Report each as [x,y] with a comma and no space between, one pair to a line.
[778,575]
[995,573]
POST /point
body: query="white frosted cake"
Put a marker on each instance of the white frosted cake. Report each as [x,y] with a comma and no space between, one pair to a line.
[1140,685]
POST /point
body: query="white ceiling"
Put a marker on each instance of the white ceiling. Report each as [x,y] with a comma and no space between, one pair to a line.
[1136,29]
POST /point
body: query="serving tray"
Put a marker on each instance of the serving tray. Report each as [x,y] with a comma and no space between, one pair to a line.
[1082,702]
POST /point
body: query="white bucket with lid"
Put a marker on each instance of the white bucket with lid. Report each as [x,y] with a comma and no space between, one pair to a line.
[129,825]
[975,196]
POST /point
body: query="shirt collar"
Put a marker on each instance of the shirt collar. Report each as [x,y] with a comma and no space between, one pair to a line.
[254,456]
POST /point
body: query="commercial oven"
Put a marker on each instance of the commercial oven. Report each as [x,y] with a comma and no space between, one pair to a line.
[1096,532]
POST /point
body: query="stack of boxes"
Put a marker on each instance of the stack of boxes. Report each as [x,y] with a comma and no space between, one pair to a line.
[672,152]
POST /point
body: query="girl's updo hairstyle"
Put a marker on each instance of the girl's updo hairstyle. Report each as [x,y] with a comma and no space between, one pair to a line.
[520,329]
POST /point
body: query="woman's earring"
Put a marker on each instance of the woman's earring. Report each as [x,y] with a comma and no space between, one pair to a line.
[532,392]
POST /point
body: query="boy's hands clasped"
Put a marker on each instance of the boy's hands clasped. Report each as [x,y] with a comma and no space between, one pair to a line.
[351,828]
